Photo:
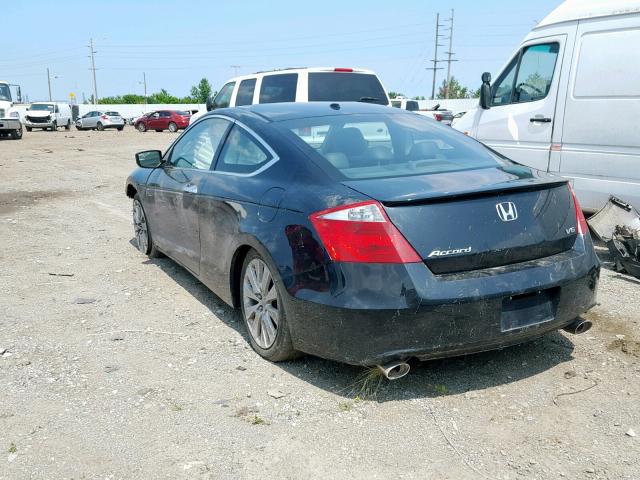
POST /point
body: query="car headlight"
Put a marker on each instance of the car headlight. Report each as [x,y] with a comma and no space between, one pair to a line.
[14,115]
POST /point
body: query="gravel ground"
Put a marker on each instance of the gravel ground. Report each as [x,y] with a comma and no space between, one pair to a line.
[117,366]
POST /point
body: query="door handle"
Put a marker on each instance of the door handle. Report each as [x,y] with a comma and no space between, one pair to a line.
[540,118]
[190,188]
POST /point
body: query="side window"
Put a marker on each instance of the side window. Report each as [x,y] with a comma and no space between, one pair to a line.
[535,72]
[528,77]
[165,114]
[197,147]
[503,87]
[396,103]
[279,88]
[245,92]
[223,98]
[241,153]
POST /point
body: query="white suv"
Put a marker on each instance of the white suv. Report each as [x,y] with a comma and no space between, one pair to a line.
[48,115]
[301,85]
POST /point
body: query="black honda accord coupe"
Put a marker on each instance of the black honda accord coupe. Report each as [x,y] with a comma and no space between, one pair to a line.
[365,234]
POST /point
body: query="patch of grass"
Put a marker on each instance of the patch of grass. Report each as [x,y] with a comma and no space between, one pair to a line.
[13,448]
[345,406]
[441,389]
[367,384]
[176,407]
[256,420]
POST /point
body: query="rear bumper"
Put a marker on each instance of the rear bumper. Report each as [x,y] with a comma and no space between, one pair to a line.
[380,313]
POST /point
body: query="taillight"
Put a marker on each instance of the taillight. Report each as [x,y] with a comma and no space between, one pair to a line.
[437,116]
[349,70]
[581,222]
[362,233]
[104,117]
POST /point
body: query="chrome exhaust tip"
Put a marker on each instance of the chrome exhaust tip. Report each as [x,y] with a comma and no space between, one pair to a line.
[578,326]
[394,370]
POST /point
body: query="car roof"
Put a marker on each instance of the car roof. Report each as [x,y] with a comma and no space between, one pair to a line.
[298,70]
[275,112]
[572,10]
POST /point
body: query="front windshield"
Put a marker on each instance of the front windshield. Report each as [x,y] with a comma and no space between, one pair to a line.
[390,145]
[42,107]
[5,93]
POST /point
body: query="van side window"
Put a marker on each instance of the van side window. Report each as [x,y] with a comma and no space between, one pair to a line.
[533,73]
[223,98]
[245,92]
[279,88]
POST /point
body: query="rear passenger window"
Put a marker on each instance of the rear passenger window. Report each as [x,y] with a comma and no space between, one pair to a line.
[245,92]
[223,98]
[165,114]
[241,153]
[279,88]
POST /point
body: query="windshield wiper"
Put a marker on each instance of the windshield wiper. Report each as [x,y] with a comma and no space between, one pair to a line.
[369,99]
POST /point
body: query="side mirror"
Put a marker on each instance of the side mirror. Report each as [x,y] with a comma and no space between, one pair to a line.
[149,159]
[485,91]
[210,103]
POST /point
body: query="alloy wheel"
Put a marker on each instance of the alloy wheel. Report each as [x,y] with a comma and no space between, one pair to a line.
[261,307]
[140,227]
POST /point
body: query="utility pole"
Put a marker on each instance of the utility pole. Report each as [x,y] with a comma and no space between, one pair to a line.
[144,82]
[49,82]
[449,55]
[93,68]
[235,69]
[435,57]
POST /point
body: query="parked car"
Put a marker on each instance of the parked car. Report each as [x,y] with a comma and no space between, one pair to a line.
[48,116]
[552,106]
[438,114]
[300,85]
[172,120]
[388,237]
[98,120]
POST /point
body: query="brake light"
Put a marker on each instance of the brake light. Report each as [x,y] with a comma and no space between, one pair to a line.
[104,117]
[362,233]
[437,116]
[348,70]
[581,222]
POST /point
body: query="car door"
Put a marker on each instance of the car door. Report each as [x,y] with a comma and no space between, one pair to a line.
[519,123]
[173,192]
[234,193]
[88,121]
[153,121]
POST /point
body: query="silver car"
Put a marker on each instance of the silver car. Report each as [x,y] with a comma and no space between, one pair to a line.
[97,120]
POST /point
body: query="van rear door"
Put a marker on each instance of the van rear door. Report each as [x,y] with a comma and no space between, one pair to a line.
[520,122]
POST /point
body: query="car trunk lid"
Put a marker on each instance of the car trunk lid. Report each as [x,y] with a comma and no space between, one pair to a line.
[474,219]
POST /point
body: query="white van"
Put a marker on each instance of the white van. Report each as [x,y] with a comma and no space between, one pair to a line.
[48,116]
[300,85]
[568,100]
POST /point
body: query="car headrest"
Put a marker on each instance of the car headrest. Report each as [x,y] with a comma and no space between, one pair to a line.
[349,141]
[423,150]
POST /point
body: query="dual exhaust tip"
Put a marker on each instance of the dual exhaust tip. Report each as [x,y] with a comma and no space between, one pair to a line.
[398,369]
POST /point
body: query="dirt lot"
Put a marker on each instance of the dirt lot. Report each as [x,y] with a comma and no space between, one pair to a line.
[116,366]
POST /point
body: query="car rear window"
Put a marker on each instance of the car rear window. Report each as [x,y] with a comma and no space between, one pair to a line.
[112,114]
[183,113]
[279,88]
[389,145]
[345,87]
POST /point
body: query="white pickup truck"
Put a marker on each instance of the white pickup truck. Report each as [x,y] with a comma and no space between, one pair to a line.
[10,124]
[444,116]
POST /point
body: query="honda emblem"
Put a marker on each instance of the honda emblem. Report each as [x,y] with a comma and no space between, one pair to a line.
[507,211]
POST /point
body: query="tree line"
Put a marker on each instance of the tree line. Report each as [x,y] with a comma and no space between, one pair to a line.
[199,94]
[456,90]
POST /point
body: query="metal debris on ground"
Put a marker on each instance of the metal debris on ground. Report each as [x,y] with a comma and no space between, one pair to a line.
[618,224]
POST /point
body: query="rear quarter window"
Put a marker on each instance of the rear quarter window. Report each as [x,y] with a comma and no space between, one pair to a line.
[245,92]
[279,88]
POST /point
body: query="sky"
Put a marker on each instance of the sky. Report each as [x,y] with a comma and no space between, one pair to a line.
[179,42]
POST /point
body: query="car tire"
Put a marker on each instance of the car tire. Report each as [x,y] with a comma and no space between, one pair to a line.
[54,126]
[141,127]
[78,127]
[141,231]
[120,129]
[16,134]
[68,125]
[263,309]
[100,127]
[29,129]
[173,127]
[160,131]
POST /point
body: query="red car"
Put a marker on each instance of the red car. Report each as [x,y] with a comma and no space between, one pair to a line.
[171,120]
